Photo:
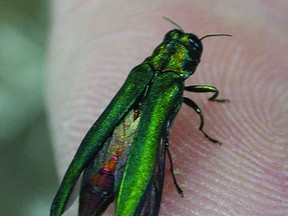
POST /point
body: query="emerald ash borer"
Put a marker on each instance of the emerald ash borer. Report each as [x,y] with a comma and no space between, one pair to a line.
[122,157]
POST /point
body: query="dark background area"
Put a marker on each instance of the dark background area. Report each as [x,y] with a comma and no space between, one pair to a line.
[28,179]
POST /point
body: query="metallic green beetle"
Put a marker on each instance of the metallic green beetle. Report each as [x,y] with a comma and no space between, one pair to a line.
[122,157]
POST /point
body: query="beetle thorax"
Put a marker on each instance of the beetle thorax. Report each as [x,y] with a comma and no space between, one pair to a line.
[174,57]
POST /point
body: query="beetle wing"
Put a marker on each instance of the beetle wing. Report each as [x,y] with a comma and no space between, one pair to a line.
[135,84]
[101,177]
[161,103]
[150,202]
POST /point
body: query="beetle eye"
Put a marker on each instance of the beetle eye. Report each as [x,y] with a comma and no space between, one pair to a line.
[196,43]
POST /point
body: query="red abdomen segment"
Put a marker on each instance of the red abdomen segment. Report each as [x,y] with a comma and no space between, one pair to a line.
[98,192]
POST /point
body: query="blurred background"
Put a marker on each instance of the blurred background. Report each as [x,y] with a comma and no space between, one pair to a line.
[28,179]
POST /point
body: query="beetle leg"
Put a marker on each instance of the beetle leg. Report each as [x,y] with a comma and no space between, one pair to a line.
[197,109]
[204,89]
[166,142]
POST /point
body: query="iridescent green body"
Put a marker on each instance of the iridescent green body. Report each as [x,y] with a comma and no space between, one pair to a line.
[156,86]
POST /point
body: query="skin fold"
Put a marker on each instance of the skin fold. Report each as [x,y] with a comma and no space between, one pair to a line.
[94,45]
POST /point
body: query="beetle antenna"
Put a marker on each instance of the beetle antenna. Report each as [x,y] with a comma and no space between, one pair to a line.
[174,23]
[215,35]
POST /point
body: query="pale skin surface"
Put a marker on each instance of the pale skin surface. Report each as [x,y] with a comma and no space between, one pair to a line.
[94,45]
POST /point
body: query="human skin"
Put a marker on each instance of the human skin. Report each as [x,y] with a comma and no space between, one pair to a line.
[93,46]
